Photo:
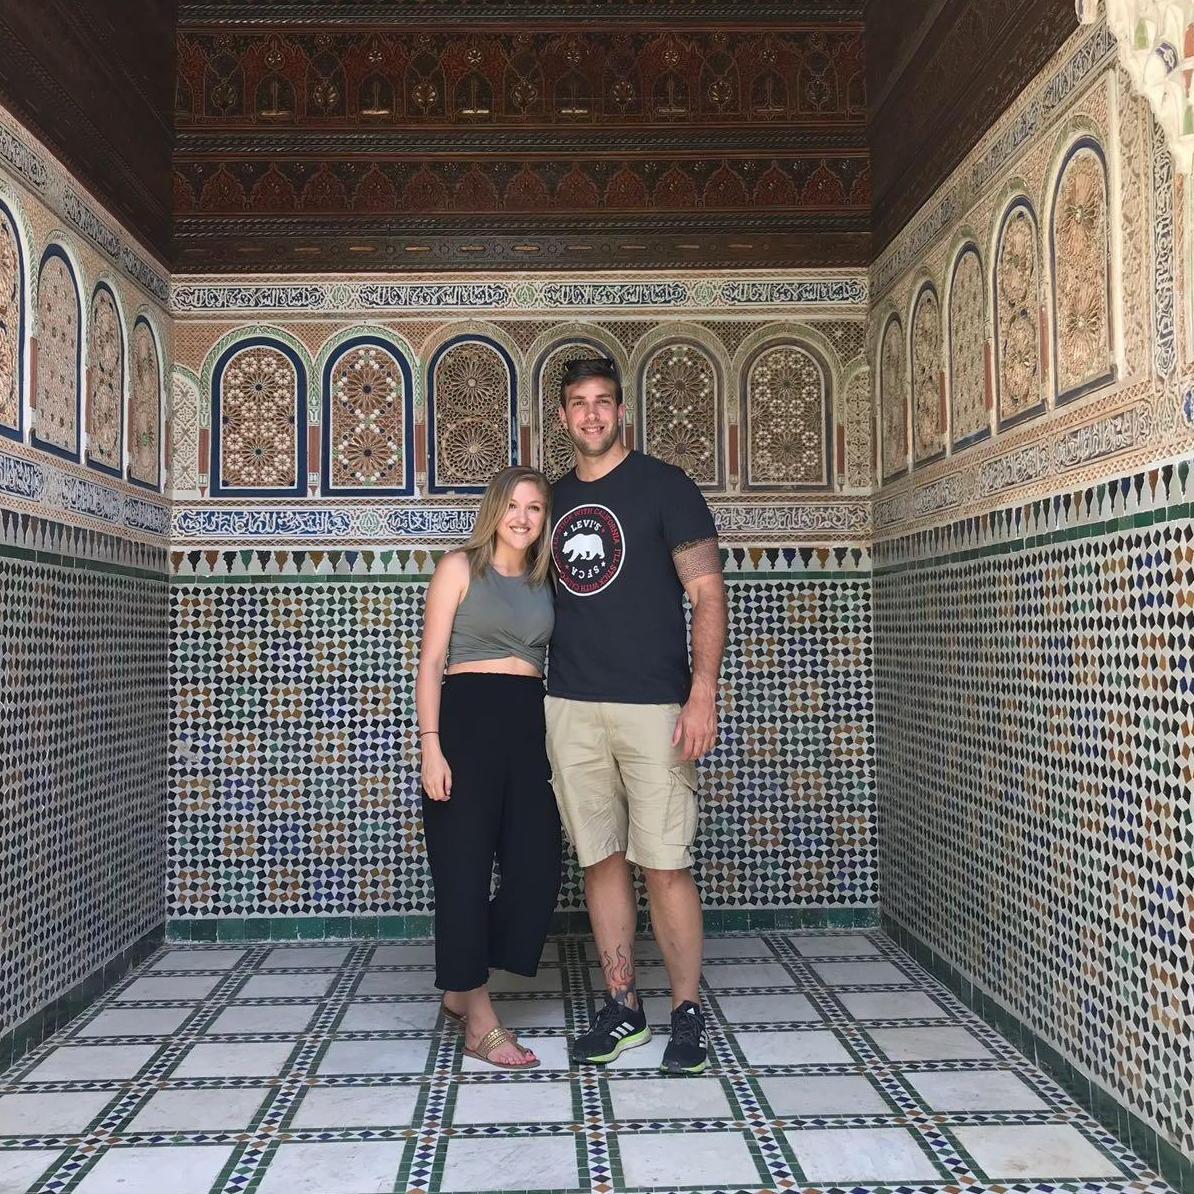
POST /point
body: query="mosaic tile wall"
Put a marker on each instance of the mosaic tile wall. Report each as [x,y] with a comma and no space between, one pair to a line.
[1034,572]
[293,765]
[83,718]
[1035,754]
[83,590]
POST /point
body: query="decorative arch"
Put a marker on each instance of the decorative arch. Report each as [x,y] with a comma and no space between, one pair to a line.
[145,406]
[59,337]
[1019,363]
[787,418]
[259,419]
[12,326]
[105,382]
[680,386]
[1080,257]
[555,454]
[472,415]
[893,400]
[367,408]
[969,413]
[924,353]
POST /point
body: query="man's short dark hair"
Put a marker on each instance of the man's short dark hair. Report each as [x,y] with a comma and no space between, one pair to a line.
[582,370]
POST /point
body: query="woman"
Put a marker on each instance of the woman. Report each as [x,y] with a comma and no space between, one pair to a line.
[486,781]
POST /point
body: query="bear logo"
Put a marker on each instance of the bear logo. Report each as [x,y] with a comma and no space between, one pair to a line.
[589,549]
[584,547]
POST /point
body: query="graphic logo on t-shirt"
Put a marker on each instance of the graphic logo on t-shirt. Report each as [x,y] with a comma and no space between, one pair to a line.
[589,547]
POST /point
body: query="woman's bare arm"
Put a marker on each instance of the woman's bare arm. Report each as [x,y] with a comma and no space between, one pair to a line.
[444,595]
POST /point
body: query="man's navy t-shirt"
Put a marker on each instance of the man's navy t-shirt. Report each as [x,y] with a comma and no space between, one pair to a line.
[620,633]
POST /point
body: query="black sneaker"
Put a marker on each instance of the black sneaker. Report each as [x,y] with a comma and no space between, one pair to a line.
[686,1052]
[615,1028]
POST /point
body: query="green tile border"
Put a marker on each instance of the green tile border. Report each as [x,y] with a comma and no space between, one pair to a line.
[79,563]
[1125,1125]
[32,1031]
[342,928]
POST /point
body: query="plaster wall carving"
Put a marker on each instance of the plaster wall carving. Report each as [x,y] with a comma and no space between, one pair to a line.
[105,381]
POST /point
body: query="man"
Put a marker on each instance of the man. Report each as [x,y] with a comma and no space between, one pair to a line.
[626,719]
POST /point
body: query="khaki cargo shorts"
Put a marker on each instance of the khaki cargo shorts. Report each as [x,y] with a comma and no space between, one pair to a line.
[620,784]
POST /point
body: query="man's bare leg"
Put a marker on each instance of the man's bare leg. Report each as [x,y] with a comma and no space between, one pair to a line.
[679,929]
[609,894]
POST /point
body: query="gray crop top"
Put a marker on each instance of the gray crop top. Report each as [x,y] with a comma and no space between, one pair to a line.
[500,616]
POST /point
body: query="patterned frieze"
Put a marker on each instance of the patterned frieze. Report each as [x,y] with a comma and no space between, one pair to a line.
[357,522]
[213,297]
[1074,447]
[34,483]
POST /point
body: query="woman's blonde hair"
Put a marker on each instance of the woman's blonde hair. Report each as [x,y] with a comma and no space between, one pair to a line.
[494,505]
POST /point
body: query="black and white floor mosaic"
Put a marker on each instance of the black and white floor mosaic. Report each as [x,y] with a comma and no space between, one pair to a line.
[327,1068]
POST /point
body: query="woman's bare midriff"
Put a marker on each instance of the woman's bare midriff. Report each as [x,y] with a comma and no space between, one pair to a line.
[511,665]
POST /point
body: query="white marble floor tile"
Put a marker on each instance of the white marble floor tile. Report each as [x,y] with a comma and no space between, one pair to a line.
[143,1021]
[91,1062]
[476,1166]
[230,1110]
[855,1155]
[766,1009]
[50,1114]
[551,1051]
[185,986]
[403,955]
[688,1159]
[375,1057]
[285,1017]
[548,979]
[858,974]
[248,1059]
[1054,1151]
[364,1167]
[792,1048]
[892,1005]
[747,974]
[928,1044]
[181,1169]
[305,956]
[736,947]
[834,946]
[19,1171]
[653,1098]
[823,1094]
[530,1013]
[974,1090]
[286,986]
[397,982]
[357,1107]
[390,1017]
[513,1102]
[198,959]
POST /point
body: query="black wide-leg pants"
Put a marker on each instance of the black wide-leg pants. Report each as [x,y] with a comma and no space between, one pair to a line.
[502,806]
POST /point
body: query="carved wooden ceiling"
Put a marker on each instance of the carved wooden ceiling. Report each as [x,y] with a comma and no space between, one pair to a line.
[420,134]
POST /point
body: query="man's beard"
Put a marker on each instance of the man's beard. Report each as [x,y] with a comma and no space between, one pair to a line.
[584,448]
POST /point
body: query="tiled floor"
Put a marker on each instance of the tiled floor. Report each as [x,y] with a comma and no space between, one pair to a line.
[326,1069]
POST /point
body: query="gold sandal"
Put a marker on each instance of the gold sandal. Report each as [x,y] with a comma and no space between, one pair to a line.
[494,1039]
